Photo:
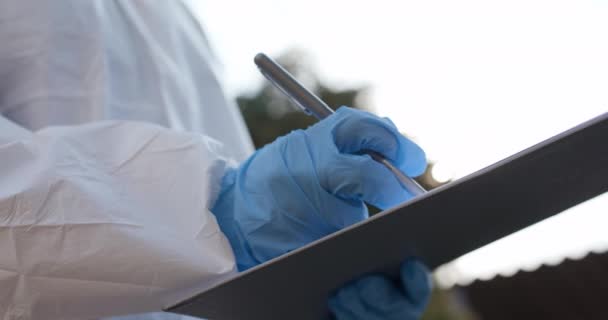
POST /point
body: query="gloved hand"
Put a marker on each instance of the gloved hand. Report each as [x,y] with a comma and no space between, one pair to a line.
[311,183]
[377,298]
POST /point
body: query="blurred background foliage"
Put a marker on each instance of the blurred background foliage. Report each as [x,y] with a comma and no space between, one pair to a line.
[269,114]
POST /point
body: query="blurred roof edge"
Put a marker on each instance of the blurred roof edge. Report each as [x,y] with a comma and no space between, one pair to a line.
[446,281]
[572,289]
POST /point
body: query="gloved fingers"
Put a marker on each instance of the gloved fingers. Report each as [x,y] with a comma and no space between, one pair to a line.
[357,131]
[382,296]
[416,283]
[303,180]
[373,297]
[359,177]
[346,304]
[387,119]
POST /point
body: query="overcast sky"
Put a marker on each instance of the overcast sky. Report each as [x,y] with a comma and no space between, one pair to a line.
[495,76]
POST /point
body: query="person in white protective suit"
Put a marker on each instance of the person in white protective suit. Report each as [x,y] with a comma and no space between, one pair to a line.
[128,180]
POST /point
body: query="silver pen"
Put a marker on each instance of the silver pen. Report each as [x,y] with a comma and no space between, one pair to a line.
[313,105]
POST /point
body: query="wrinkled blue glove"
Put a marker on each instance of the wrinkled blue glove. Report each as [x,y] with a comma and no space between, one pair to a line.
[377,298]
[311,183]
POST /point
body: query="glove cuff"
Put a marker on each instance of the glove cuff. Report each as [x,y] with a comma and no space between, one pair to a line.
[223,209]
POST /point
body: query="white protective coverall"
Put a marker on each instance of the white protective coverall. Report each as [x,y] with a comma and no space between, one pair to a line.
[114,135]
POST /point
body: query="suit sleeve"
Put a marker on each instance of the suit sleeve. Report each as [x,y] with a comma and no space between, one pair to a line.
[106,219]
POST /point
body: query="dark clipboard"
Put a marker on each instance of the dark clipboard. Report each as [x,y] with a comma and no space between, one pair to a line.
[437,227]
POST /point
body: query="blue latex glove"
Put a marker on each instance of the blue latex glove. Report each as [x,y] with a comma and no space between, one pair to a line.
[376,297]
[312,182]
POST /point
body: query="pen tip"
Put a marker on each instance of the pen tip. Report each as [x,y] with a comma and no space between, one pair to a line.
[260,57]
